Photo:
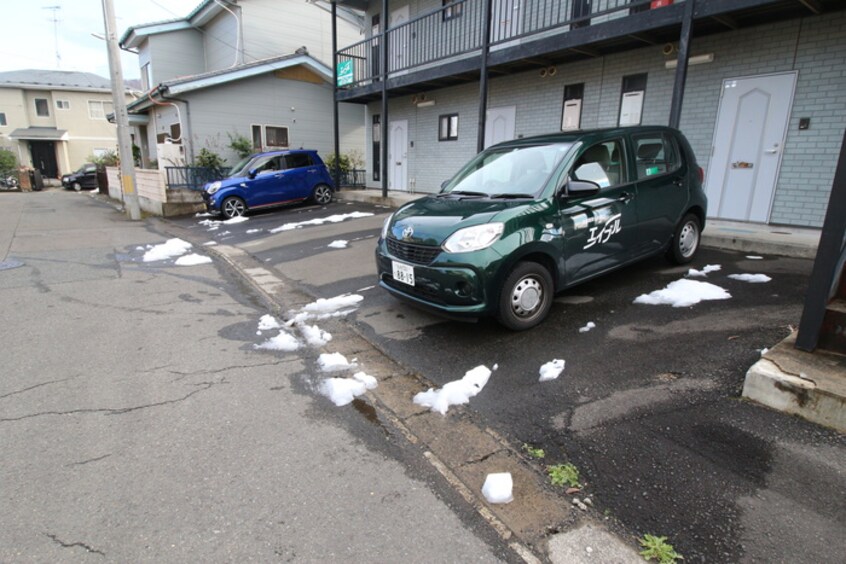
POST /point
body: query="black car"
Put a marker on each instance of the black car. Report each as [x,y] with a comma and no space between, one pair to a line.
[84,177]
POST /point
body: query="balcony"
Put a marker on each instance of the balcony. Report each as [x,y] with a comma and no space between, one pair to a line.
[443,47]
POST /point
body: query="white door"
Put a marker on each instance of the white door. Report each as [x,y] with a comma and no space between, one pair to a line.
[398,155]
[506,19]
[748,143]
[398,44]
[499,125]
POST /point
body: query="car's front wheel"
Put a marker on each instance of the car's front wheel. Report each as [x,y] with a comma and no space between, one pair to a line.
[233,207]
[77,186]
[685,240]
[526,296]
[322,194]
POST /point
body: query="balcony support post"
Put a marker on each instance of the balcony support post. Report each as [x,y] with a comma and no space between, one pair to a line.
[384,75]
[336,170]
[483,77]
[681,67]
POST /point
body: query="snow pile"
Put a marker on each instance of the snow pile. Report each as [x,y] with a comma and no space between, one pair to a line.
[268,322]
[339,244]
[337,218]
[324,308]
[754,257]
[202,214]
[551,370]
[167,250]
[334,362]
[284,341]
[209,243]
[497,488]
[313,335]
[236,219]
[684,293]
[192,259]
[590,325]
[251,231]
[753,278]
[456,392]
[342,391]
[704,272]
[210,223]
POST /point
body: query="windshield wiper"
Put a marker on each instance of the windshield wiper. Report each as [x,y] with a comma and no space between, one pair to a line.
[463,193]
[511,195]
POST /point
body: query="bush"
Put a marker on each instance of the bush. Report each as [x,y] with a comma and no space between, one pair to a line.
[108,158]
[209,159]
[242,146]
[343,163]
[7,160]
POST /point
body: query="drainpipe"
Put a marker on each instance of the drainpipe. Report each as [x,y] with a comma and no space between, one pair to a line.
[483,79]
[681,67]
[384,57]
[336,172]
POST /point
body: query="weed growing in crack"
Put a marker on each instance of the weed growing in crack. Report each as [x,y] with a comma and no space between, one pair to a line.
[564,474]
[657,548]
[533,452]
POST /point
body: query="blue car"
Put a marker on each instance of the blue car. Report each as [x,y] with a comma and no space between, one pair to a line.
[270,179]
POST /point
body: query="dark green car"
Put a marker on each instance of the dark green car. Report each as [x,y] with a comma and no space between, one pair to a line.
[528,218]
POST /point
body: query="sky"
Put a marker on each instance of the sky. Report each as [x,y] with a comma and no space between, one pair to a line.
[29,37]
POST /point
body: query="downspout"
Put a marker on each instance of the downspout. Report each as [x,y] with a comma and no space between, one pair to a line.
[681,67]
[184,125]
[384,61]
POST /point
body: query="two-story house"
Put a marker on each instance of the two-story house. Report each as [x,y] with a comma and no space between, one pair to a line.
[757,86]
[257,69]
[55,120]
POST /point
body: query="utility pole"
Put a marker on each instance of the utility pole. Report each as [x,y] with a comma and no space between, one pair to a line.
[55,20]
[127,166]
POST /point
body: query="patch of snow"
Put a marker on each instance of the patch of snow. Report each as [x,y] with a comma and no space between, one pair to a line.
[225,233]
[268,322]
[209,222]
[167,250]
[704,272]
[551,370]
[339,244]
[192,260]
[334,362]
[203,214]
[341,391]
[752,278]
[251,231]
[209,243]
[497,488]
[365,288]
[139,248]
[215,228]
[314,336]
[764,351]
[754,257]
[684,293]
[590,325]
[236,219]
[284,341]
[369,381]
[337,218]
[457,392]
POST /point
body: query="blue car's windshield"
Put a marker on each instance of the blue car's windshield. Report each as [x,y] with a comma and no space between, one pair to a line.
[508,171]
[240,168]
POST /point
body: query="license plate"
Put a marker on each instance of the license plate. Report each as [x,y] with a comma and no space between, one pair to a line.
[403,273]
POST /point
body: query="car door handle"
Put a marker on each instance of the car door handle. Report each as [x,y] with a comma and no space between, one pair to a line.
[625,197]
[679,182]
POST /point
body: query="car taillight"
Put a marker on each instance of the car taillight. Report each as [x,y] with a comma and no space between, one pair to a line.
[701,174]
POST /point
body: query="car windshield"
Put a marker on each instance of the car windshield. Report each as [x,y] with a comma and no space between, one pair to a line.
[508,171]
[240,168]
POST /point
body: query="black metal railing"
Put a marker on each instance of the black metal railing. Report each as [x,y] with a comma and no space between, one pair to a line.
[456,30]
[355,178]
[193,177]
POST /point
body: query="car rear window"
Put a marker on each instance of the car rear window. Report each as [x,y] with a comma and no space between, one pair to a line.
[655,153]
[298,160]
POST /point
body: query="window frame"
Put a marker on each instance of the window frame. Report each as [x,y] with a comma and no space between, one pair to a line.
[450,134]
[45,105]
[267,143]
[256,128]
[669,142]
[102,104]
[3,122]
[625,176]
[62,104]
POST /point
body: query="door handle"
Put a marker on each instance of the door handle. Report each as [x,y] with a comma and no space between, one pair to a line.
[771,151]
[625,197]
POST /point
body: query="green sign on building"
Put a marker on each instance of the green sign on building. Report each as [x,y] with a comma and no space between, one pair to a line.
[344,72]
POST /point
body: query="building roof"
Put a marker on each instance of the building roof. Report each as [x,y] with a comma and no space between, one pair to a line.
[39,134]
[35,79]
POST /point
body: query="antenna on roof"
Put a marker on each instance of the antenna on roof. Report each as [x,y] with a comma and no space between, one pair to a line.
[55,19]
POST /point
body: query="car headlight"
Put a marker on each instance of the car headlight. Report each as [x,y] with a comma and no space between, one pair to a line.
[473,238]
[213,187]
[386,225]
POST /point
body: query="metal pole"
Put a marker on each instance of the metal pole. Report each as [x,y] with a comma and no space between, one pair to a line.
[384,73]
[336,173]
[681,66]
[828,258]
[127,168]
[483,79]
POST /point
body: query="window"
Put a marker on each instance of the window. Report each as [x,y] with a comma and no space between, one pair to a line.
[448,128]
[146,77]
[256,133]
[631,99]
[453,9]
[377,146]
[275,136]
[62,104]
[2,118]
[655,154]
[42,109]
[99,109]
[176,132]
[298,160]
[601,163]
[571,116]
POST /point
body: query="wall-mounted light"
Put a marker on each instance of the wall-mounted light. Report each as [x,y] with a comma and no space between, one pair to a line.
[697,60]
[426,104]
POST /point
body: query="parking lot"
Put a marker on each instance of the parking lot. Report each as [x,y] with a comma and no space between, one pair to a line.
[648,405]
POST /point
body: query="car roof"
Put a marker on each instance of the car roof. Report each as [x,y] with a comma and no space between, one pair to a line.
[284,152]
[585,135]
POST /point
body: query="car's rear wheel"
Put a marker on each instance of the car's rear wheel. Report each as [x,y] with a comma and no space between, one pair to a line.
[526,296]
[233,207]
[685,240]
[322,194]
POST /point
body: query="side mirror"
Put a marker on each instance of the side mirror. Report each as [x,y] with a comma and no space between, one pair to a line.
[581,187]
[252,174]
[444,183]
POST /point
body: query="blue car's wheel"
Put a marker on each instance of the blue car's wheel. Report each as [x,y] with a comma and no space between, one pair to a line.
[322,194]
[233,207]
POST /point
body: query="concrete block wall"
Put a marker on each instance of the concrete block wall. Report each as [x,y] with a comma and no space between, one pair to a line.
[812,46]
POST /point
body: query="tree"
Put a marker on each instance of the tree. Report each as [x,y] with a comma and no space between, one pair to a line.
[7,160]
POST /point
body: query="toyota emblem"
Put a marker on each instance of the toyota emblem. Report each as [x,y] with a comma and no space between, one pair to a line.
[407,232]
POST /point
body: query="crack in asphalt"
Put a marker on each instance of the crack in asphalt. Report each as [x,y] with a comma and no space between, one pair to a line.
[16,392]
[183,375]
[117,411]
[88,461]
[480,459]
[63,544]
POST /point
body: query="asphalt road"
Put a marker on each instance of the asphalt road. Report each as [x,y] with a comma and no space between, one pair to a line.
[648,406]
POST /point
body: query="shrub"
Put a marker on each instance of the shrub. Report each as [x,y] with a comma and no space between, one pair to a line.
[208,159]
[242,146]
[7,160]
[108,158]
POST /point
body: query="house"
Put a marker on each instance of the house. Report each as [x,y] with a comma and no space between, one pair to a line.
[253,69]
[757,86]
[54,121]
